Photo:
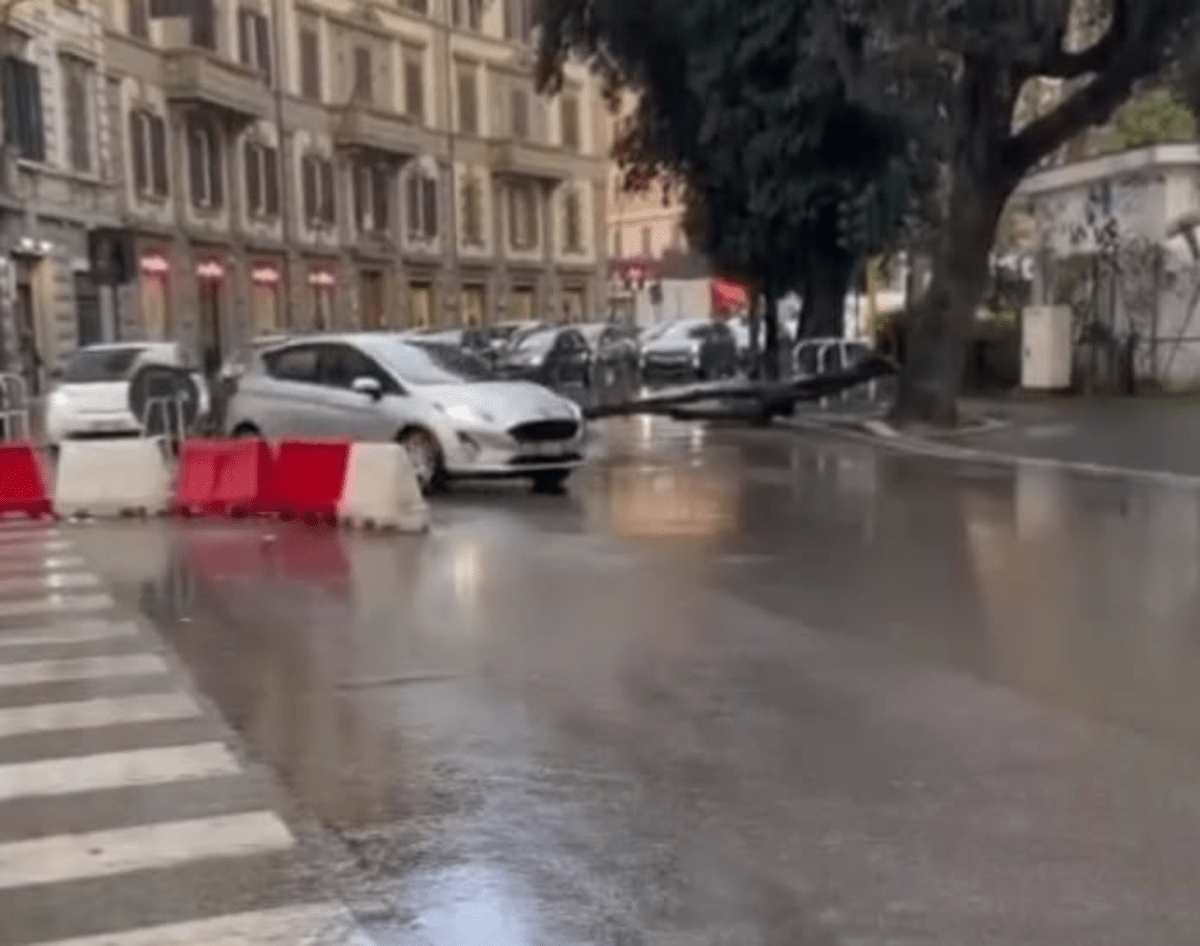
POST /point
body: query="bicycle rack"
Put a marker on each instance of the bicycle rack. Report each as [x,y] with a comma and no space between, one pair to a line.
[14,408]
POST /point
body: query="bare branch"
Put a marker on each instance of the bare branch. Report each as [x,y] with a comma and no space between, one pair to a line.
[1055,62]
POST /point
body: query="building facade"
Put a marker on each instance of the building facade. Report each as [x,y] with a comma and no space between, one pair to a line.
[295,165]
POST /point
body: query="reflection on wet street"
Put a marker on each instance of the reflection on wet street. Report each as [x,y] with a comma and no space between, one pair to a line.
[736,687]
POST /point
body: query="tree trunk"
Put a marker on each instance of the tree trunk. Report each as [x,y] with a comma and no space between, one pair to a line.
[939,325]
[827,279]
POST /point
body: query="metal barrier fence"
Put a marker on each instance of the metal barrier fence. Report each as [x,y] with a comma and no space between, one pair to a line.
[14,408]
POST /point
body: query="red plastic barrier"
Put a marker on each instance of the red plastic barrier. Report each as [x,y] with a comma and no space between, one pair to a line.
[22,489]
[224,477]
[309,477]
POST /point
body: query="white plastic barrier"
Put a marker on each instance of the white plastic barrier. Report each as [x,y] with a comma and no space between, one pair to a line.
[111,478]
[381,489]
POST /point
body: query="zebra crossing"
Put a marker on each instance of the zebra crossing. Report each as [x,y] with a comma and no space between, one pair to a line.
[125,819]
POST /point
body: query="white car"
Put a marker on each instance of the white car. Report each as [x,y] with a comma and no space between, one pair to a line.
[442,404]
[91,399]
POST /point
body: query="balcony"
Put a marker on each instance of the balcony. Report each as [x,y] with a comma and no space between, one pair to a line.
[197,76]
[522,159]
[356,126]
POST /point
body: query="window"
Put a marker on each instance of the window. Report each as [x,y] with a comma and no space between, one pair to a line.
[618,244]
[316,175]
[468,13]
[416,6]
[647,242]
[362,74]
[23,109]
[569,113]
[254,42]
[310,62]
[468,99]
[522,217]
[518,20]
[341,366]
[472,200]
[371,198]
[138,22]
[422,201]
[572,223]
[204,166]
[414,86]
[77,82]
[262,179]
[520,114]
[294,364]
[148,153]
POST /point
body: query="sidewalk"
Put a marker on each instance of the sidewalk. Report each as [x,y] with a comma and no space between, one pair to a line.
[1153,436]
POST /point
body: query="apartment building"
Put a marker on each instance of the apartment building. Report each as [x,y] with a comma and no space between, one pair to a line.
[54,167]
[280,165]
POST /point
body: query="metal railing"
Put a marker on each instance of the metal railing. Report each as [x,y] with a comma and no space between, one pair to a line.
[14,408]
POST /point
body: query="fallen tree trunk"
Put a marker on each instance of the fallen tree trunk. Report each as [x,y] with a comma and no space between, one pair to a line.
[769,398]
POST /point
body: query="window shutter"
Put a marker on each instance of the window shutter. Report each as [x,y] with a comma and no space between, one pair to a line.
[429,205]
[360,197]
[204,24]
[413,201]
[310,76]
[362,74]
[263,41]
[414,90]
[253,178]
[137,149]
[379,196]
[158,151]
[531,216]
[271,180]
[196,165]
[514,225]
[570,122]
[520,114]
[327,210]
[308,184]
[468,106]
[30,137]
[216,178]
[244,28]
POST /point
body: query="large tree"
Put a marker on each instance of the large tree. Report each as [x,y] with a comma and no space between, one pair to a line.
[789,180]
[951,71]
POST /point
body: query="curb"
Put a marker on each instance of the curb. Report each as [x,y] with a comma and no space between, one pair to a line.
[881,433]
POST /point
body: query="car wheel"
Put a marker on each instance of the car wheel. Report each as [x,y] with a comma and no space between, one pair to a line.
[550,481]
[247,430]
[426,458]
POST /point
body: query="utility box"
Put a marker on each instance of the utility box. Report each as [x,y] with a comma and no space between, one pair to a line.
[1046,348]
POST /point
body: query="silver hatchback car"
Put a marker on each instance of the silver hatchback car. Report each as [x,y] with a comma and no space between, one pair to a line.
[442,404]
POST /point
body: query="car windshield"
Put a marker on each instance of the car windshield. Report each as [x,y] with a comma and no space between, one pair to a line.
[536,342]
[684,330]
[436,364]
[91,365]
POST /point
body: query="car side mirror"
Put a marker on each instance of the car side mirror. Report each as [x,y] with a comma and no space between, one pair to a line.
[368,386]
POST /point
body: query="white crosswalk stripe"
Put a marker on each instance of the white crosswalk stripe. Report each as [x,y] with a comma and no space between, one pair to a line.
[122,850]
[139,767]
[49,604]
[74,632]
[321,924]
[80,668]
[124,793]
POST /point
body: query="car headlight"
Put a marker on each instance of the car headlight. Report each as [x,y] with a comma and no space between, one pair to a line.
[466,414]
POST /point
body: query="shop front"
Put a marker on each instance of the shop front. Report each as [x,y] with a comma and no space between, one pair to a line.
[266,293]
[321,283]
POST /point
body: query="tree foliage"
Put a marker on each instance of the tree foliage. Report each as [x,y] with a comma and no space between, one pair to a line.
[1156,117]
[790,180]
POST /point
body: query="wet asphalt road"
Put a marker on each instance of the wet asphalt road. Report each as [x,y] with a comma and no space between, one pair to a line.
[736,687]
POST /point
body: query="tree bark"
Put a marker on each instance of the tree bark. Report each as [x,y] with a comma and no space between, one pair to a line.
[939,325]
[827,279]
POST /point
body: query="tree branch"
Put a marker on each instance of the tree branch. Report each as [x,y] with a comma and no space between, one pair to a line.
[1056,63]
[1091,105]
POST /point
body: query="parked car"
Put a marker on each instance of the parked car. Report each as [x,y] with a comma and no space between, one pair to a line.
[555,356]
[91,398]
[614,350]
[444,406]
[691,349]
